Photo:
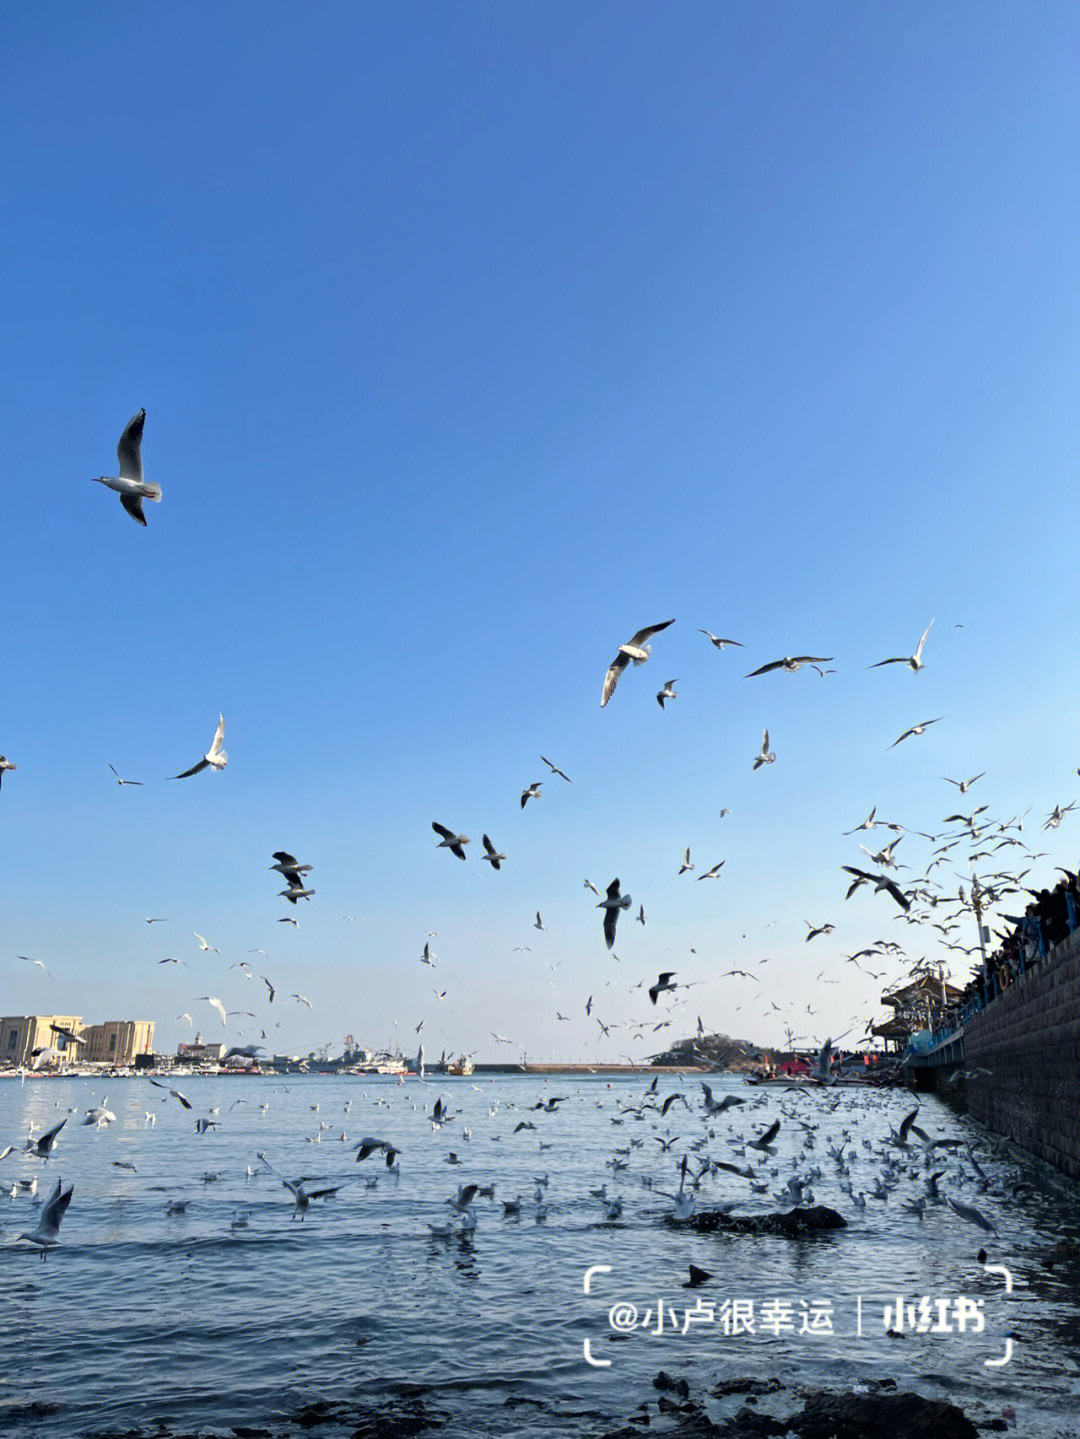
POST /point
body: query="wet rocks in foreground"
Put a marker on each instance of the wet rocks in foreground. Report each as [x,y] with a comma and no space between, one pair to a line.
[796,1222]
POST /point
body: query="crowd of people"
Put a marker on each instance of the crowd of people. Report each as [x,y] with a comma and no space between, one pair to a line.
[1052,916]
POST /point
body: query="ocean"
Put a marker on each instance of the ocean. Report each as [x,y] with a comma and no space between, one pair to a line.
[234,1316]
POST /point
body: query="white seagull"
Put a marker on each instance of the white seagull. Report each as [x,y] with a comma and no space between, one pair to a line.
[635,649]
[47,1232]
[129,485]
[213,999]
[453,842]
[765,757]
[913,662]
[215,757]
[717,641]
[5,763]
[667,693]
[611,906]
[491,854]
[123,781]
[206,948]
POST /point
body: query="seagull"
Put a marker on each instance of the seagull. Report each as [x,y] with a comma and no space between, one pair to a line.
[451,841]
[48,1230]
[667,693]
[1057,814]
[184,1102]
[915,729]
[206,948]
[301,999]
[242,1051]
[880,882]
[764,1141]
[640,916]
[288,919]
[43,1147]
[766,756]
[539,923]
[555,770]
[215,757]
[965,1211]
[212,999]
[533,792]
[791,664]
[294,893]
[38,962]
[611,906]
[963,785]
[427,957]
[820,929]
[290,868]
[492,855]
[868,823]
[118,779]
[5,763]
[686,865]
[589,885]
[718,642]
[635,649]
[664,982]
[713,873]
[913,662]
[129,485]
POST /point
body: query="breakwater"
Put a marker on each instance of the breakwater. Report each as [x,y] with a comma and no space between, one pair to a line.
[1029,1040]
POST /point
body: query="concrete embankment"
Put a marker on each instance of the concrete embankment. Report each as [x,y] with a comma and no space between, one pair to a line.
[1029,1040]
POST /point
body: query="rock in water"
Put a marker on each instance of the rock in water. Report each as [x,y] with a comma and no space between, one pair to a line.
[901,1416]
[797,1222]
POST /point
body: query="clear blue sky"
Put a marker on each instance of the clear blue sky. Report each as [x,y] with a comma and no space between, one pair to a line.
[472,338]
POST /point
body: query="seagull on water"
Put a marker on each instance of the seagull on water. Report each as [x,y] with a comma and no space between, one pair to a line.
[215,757]
[635,649]
[47,1233]
[129,484]
[913,662]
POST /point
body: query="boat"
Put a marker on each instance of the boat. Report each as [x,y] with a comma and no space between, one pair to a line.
[461,1065]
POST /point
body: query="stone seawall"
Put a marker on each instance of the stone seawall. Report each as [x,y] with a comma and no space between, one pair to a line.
[1029,1038]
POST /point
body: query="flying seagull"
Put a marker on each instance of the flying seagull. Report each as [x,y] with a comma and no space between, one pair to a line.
[129,484]
[533,792]
[206,948]
[5,763]
[915,729]
[664,982]
[611,906]
[791,664]
[913,662]
[717,641]
[492,855]
[713,873]
[290,868]
[38,962]
[963,785]
[47,1232]
[766,756]
[555,770]
[686,865]
[451,841]
[118,779]
[215,757]
[667,693]
[635,649]
[212,999]
[880,882]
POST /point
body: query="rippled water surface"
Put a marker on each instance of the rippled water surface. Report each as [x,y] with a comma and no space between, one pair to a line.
[139,1317]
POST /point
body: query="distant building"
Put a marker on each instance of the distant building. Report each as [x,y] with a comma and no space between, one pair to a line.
[199,1053]
[21,1034]
[117,1041]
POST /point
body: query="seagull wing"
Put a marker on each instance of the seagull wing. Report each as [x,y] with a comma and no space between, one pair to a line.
[441,829]
[918,653]
[133,505]
[130,457]
[764,670]
[611,679]
[219,736]
[897,660]
[195,768]
[639,640]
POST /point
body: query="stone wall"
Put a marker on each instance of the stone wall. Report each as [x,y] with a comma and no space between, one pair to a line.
[1029,1038]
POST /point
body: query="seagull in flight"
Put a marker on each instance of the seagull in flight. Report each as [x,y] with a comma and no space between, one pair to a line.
[301,999]
[963,785]
[47,1232]
[492,855]
[667,693]
[915,729]
[819,929]
[38,962]
[913,662]
[206,948]
[791,664]
[686,865]
[556,770]
[124,781]
[533,792]
[718,642]
[611,906]
[5,763]
[636,649]
[664,982]
[129,484]
[713,873]
[766,756]
[213,999]
[214,758]
[880,882]
[1057,814]
[451,841]
[427,957]
[539,923]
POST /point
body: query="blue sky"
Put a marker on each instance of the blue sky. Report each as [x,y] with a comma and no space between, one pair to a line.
[471,339]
